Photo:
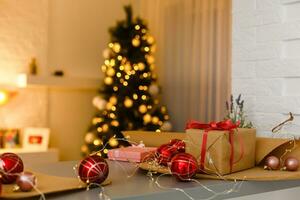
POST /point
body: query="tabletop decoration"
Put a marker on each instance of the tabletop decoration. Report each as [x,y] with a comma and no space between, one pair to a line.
[11,171]
[10,165]
[167,151]
[26,181]
[272,163]
[183,166]
[291,164]
[231,148]
[136,153]
[93,169]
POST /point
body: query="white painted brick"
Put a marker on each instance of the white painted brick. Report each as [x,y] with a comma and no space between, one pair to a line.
[266,87]
[263,33]
[291,30]
[291,49]
[244,35]
[264,122]
[264,5]
[291,12]
[243,70]
[289,1]
[270,17]
[277,68]
[246,19]
[258,87]
[292,87]
[241,50]
[244,86]
[270,104]
[243,5]
[264,51]
[292,104]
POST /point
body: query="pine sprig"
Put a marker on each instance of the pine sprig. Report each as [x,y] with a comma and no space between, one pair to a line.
[235,112]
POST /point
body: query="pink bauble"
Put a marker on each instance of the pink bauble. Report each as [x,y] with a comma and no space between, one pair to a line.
[291,164]
[183,166]
[93,169]
[26,181]
[272,163]
[10,166]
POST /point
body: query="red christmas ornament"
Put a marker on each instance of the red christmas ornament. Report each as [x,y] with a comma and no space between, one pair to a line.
[10,166]
[272,163]
[165,153]
[291,164]
[179,144]
[26,181]
[183,166]
[93,169]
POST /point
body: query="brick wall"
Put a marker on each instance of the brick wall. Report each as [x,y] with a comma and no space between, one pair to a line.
[266,60]
[23,35]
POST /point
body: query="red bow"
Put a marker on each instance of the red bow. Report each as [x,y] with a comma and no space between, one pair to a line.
[226,125]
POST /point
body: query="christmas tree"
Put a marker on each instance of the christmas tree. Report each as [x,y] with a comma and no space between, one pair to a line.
[129,97]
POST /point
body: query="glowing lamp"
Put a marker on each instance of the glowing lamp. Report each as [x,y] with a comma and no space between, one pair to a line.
[5,96]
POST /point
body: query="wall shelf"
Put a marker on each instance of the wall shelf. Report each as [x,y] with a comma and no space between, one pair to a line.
[25,80]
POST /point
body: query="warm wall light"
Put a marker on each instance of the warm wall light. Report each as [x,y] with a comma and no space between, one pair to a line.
[3,97]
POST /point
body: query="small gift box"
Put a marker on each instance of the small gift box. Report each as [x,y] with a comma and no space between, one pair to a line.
[132,154]
[221,147]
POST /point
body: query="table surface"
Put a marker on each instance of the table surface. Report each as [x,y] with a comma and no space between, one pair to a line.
[130,183]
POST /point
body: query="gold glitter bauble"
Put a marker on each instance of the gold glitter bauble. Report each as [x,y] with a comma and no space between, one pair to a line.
[108,80]
[135,42]
[141,66]
[116,47]
[163,109]
[110,72]
[97,120]
[109,106]
[150,39]
[105,127]
[147,118]
[114,123]
[98,142]
[143,108]
[113,142]
[155,120]
[127,67]
[113,100]
[128,102]
[89,138]
[84,149]
[150,59]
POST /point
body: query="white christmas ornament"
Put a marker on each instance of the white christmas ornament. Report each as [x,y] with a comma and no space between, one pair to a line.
[106,53]
[89,138]
[167,126]
[153,89]
[99,102]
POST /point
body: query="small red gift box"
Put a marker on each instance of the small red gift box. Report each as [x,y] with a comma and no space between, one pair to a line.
[132,154]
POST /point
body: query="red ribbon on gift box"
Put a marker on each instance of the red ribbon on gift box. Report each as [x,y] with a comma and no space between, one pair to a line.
[226,125]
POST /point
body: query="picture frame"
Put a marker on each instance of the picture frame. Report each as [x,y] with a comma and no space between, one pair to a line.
[36,138]
[9,138]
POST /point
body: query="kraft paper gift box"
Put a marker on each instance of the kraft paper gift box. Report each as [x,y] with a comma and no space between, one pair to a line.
[219,149]
[132,154]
